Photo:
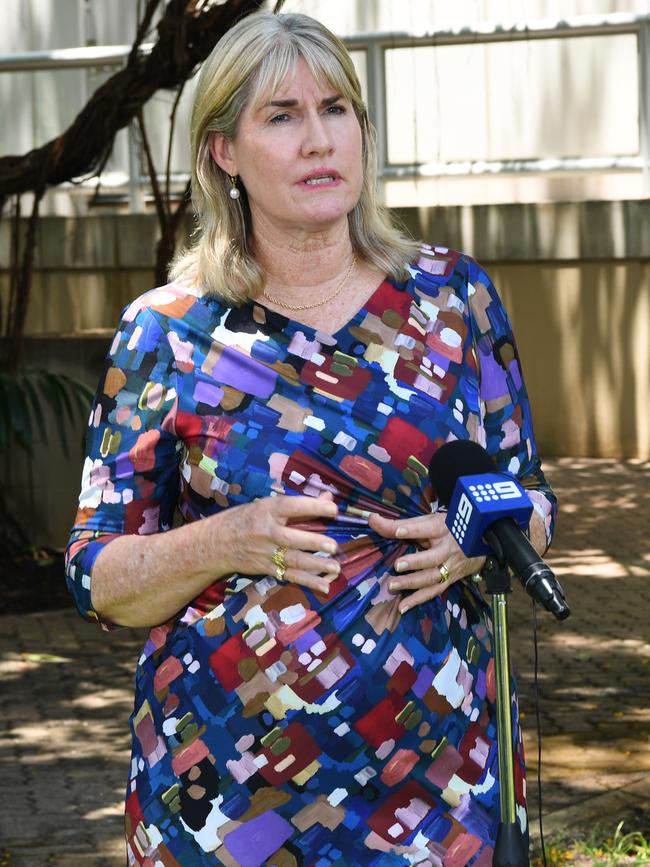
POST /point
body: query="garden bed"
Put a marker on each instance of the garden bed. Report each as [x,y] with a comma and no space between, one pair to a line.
[34,583]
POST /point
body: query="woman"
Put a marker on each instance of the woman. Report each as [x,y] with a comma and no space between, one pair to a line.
[317,686]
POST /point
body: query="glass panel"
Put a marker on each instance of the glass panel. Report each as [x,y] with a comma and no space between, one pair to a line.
[38,106]
[524,100]
[157,115]
[360,64]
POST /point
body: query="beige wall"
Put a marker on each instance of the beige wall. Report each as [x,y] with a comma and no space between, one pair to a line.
[582,324]
[583,330]
[575,279]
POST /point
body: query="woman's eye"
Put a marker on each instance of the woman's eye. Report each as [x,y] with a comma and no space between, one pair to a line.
[280,118]
[336,109]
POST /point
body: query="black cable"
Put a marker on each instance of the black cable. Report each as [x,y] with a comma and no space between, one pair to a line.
[539,734]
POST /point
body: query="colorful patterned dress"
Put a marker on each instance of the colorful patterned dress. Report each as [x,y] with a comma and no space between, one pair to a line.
[275,725]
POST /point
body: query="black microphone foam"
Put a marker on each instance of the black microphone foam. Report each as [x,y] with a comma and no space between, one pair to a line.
[465,458]
[455,459]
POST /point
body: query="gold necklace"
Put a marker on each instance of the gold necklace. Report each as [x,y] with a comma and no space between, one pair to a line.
[334,294]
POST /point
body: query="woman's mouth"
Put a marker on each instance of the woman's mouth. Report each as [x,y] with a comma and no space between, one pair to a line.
[322,179]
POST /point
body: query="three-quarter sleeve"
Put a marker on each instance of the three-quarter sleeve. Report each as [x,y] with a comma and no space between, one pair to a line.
[505,408]
[130,472]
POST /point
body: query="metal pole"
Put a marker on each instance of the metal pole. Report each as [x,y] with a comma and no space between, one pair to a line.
[510,848]
[513,31]
[644,102]
[504,718]
[376,73]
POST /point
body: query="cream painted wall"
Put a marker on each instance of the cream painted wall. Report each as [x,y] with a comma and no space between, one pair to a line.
[583,330]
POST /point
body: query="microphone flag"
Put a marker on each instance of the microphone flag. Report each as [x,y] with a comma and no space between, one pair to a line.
[480,500]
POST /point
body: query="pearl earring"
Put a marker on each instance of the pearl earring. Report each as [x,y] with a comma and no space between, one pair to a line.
[234,192]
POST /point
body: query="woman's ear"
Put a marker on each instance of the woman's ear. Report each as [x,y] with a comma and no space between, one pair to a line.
[221,151]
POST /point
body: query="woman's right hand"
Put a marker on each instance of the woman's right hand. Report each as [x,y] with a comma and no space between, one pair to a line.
[256,530]
[141,580]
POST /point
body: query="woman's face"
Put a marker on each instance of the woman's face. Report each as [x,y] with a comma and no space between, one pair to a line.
[299,156]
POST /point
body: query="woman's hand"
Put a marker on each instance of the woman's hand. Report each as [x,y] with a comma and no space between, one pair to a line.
[258,530]
[430,570]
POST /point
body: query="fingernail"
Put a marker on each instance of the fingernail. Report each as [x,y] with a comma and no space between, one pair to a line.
[393,587]
[331,549]
[324,588]
[400,532]
[401,565]
[403,609]
[333,572]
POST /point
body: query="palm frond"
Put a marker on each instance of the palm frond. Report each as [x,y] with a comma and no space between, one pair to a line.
[26,396]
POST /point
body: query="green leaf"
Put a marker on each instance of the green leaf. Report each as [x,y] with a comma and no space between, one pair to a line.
[25,395]
[19,422]
[56,386]
[29,384]
[81,393]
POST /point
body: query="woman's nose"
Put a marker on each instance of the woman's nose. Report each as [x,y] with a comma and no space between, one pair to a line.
[317,139]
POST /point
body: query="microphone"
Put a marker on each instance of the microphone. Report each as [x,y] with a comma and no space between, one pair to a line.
[487,513]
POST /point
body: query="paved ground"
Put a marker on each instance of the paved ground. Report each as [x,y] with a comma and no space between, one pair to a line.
[66,691]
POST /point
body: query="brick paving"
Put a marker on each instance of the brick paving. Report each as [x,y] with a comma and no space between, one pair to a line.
[66,691]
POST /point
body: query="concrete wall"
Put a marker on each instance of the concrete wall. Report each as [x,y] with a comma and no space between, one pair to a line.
[575,279]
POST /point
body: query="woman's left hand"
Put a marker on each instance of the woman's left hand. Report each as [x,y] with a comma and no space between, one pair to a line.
[432,569]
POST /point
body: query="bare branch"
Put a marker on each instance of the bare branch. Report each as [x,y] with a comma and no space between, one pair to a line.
[187,32]
[166,246]
[153,176]
[79,150]
[170,142]
[143,29]
[20,290]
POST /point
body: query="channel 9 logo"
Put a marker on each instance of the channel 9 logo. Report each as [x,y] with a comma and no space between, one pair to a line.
[462,518]
[478,501]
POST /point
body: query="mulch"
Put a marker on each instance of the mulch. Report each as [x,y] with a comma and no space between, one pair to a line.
[33,583]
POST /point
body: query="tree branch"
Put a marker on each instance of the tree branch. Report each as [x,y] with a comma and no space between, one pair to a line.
[143,29]
[80,149]
[170,142]
[153,175]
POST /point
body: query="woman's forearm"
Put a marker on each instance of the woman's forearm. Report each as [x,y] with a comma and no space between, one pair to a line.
[145,580]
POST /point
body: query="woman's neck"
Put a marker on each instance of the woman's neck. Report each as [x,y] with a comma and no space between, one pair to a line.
[299,264]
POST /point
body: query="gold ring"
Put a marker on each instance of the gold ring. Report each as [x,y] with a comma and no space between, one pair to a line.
[444,573]
[278,558]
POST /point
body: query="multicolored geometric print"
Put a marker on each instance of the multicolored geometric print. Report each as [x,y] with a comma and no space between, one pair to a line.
[274,725]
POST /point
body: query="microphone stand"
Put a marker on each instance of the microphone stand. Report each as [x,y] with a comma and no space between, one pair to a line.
[510,849]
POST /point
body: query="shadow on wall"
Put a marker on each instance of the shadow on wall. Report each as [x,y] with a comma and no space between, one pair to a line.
[575,278]
[583,331]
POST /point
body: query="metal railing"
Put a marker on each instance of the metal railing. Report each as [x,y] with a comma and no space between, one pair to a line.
[375,45]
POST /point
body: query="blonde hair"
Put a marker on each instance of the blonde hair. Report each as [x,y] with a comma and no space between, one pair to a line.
[249,62]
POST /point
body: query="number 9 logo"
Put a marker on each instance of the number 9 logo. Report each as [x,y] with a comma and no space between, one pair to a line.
[507,490]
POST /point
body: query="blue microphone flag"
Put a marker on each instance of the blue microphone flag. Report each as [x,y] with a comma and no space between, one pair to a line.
[478,501]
